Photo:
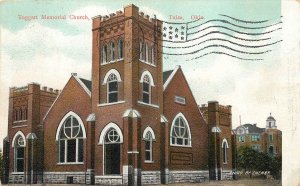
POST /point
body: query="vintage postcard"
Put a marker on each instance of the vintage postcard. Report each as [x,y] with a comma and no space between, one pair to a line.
[150,92]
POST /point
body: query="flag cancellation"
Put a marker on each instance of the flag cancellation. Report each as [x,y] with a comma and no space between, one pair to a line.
[241,39]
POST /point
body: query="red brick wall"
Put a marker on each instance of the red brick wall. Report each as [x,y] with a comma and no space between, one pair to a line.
[196,156]
[72,98]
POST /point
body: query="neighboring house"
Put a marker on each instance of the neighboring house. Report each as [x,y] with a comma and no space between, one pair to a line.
[132,124]
[267,139]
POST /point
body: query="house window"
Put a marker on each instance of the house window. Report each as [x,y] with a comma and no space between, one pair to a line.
[104,54]
[179,99]
[19,148]
[270,137]
[180,133]
[255,137]
[146,89]
[224,150]
[112,51]
[112,88]
[241,138]
[71,141]
[152,55]
[148,146]
[120,48]
[256,147]
[146,53]
[141,51]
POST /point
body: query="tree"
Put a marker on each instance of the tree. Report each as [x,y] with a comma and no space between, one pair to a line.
[250,160]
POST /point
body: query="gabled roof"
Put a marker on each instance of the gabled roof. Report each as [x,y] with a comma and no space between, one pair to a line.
[87,83]
[252,128]
[168,76]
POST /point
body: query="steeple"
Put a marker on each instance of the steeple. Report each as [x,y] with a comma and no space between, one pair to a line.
[271,122]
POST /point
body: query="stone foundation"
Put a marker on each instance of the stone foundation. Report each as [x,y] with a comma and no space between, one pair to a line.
[64,177]
[227,175]
[108,180]
[17,178]
[150,177]
[188,176]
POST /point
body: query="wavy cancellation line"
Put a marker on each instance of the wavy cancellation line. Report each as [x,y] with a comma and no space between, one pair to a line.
[239,26]
[224,53]
[227,28]
[244,21]
[226,40]
[214,45]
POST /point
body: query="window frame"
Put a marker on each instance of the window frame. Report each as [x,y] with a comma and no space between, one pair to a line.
[187,130]
[17,146]
[224,151]
[148,84]
[112,51]
[109,81]
[104,54]
[120,48]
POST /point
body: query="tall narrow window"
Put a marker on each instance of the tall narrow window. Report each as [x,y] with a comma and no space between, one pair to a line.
[19,153]
[152,54]
[20,114]
[112,51]
[112,152]
[148,146]
[141,51]
[16,114]
[224,150]
[146,53]
[112,88]
[180,133]
[104,54]
[71,141]
[146,89]
[25,113]
[120,48]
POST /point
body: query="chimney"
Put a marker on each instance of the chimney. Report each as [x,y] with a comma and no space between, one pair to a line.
[44,88]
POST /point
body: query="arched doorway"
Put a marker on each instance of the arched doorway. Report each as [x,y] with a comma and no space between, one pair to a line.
[111,149]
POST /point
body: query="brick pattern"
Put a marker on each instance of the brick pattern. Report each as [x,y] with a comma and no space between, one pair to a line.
[62,177]
[151,177]
[188,176]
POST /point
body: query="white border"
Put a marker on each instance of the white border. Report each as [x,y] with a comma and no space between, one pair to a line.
[148,129]
[189,130]
[23,136]
[111,71]
[71,113]
[105,130]
[146,72]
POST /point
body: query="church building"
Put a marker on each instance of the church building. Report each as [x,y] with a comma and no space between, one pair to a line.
[131,124]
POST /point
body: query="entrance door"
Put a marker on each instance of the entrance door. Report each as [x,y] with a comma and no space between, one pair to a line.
[112,152]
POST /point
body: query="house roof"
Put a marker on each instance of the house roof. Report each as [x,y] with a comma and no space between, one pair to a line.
[87,83]
[252,128]
[166,75]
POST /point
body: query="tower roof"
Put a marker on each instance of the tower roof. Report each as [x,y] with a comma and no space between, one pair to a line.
[271,118]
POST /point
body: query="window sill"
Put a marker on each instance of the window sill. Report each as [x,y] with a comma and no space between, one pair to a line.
[18,126]
[17,173]
[147,161]
[20,121]
[151,105]
[114,61]
[71,163]
[107,104]
[146,62]
[185,146]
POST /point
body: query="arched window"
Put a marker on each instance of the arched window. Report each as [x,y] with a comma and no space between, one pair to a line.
[146,89]
[224,150]
[20,114]
[112,51]
[112,88]
[146,53]
[71,141]
[148,146]
[104,54]
[19,148]
[149,137]
[25,113]
[152,54]
[180,131]
[141,51]
[120,48]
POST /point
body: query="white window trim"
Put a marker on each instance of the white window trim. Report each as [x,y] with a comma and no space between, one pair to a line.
[148,63]
[148,129]
[146,72]
[227,147]
[16,135]
[120,40]
[188,127]
[180,97]
[113,103]
[71,113]
[114,71]
[148,104]
[106,129]
[107,91]
[149,92]
[20,121]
